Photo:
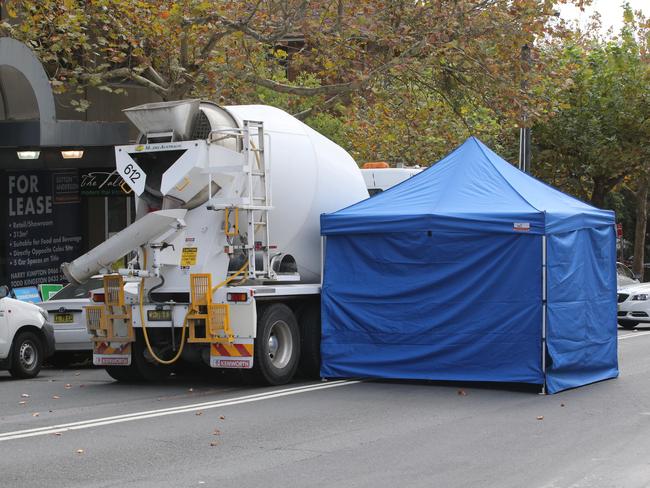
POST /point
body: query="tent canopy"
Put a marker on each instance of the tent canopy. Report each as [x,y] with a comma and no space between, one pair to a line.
[470,185]
[472,271]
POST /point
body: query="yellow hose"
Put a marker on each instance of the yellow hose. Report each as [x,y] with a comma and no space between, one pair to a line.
[144,327]
[189,310]
[230,278]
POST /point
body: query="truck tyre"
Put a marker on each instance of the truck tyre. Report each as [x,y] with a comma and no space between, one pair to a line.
[27,355]
[140,369]
[277,346]
[124,374]
[310,332]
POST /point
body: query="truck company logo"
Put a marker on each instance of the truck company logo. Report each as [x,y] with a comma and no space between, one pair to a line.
[233,363]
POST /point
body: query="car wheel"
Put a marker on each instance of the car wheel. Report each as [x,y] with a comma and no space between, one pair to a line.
[277,346]
[27,355]
[628,325]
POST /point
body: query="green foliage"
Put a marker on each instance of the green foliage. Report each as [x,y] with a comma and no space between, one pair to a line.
[600,136]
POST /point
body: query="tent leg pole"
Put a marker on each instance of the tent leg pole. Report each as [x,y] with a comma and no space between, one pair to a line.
[544,304]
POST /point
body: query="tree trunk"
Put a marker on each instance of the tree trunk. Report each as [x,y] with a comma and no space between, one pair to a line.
[640,227]
[599,193]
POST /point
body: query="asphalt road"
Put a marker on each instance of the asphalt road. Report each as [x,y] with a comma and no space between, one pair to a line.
[78,428]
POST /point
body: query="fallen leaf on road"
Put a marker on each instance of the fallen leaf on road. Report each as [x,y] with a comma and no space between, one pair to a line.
[57,433]
[55,397]
[561,404]
[462,392]
[213,444]
[67,386]
[216,432]
[222,417]
[22,402]
[35,414]
[80,451]
[199,413]
[541,417]
[24,395]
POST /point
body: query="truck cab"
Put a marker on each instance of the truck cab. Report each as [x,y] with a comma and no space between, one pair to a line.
[380,176]
[26,340]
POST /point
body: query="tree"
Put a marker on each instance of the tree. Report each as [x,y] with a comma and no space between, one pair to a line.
[461,49]
[600,135]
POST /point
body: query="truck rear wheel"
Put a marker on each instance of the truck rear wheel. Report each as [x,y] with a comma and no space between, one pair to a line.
[141,369]
[277,346]
[27,355]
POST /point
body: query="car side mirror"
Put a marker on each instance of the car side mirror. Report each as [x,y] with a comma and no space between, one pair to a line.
[4,291]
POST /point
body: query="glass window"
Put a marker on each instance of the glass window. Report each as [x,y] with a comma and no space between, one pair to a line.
[78,291]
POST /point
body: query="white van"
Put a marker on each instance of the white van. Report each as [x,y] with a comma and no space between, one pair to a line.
[26,339]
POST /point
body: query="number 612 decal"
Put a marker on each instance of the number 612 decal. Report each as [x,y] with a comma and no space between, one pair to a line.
[132,173]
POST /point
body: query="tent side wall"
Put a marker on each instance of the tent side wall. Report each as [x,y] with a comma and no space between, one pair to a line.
[433,305]
[581,310]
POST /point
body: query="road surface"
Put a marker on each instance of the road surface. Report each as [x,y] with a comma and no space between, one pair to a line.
[78,428]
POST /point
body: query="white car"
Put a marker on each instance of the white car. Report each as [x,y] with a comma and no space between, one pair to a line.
[625,276]
[26,338]
[68,318]
[634,305]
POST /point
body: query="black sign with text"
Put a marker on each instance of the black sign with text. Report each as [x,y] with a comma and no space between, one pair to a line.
[44,225]
[102,182]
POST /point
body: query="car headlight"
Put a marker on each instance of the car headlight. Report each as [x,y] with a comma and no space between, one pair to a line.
[44,314]
[640,297]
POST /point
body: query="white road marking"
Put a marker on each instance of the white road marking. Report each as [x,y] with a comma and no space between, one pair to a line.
[86,424]
[633,334]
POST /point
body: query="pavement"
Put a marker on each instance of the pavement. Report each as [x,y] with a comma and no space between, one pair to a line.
[78,428]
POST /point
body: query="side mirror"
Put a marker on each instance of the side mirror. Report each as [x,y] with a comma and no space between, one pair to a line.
[4,291]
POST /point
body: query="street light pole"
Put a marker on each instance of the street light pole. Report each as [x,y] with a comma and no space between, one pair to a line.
[524,130]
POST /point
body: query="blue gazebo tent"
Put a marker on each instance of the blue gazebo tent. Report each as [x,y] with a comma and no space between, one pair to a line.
[471,270]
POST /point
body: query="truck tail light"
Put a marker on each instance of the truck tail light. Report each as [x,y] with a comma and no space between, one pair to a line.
[98,297]
[237,297]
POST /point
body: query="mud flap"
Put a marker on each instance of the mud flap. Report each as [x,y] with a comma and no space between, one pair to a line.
[112,354]
[231,356]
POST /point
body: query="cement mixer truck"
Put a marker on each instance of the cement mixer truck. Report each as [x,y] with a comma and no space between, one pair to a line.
[225,252]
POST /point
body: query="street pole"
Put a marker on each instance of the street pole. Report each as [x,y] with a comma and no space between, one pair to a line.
[524,149]
[524,130]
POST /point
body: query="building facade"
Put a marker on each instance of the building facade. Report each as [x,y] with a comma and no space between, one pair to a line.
[60,193]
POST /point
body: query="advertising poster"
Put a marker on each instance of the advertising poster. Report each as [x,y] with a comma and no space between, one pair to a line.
[44,225]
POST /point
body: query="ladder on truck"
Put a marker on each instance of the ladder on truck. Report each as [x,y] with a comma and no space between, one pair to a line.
[252,208]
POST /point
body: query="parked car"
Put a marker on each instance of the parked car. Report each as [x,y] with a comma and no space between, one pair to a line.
[634,305]
[26,338]
[67,316]
[625,276]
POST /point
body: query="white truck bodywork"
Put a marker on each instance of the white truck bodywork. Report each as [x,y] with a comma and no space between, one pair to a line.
[243,201]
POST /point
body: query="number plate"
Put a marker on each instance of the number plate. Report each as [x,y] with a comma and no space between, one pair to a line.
[63,318]
[159,315]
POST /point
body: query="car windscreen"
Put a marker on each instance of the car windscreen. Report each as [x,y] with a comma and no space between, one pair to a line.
[78,291]
[624,271]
